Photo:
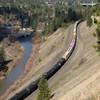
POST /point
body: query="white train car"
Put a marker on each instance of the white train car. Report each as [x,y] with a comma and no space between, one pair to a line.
[73,42]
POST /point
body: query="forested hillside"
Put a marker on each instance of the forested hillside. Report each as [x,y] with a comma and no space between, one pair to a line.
[37,1]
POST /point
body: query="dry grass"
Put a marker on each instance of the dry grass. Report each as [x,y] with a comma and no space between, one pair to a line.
[83,82]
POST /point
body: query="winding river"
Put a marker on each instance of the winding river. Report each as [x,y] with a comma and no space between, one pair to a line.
[20,67]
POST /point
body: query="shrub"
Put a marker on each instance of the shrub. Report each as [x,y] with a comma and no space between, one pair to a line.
[44,91]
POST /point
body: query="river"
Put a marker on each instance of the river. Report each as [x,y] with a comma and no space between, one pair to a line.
[20,67]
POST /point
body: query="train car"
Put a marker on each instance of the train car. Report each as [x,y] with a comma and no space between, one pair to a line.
[25,92]
[55,68]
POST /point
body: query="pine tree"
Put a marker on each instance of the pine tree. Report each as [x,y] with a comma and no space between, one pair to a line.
[89,21]
[2,54]
[44,91]
[99,1]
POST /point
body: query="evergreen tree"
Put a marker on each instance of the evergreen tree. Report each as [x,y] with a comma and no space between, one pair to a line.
[98,37]
[99,1]
[72,15]
[44,91]
[2,54]
[89,21]
[34,22]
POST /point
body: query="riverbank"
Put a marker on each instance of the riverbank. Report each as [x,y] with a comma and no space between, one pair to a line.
[26,73]
[14,51]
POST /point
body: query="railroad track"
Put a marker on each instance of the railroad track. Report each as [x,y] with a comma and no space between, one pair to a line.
[34,85]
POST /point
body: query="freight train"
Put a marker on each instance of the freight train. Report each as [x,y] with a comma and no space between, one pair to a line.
[34,85]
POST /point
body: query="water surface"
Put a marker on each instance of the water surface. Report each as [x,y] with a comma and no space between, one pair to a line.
[20,67]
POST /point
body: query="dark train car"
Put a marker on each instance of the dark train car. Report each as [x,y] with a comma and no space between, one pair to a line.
[21,95]
[33,86]
[25,92]
[55,68]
